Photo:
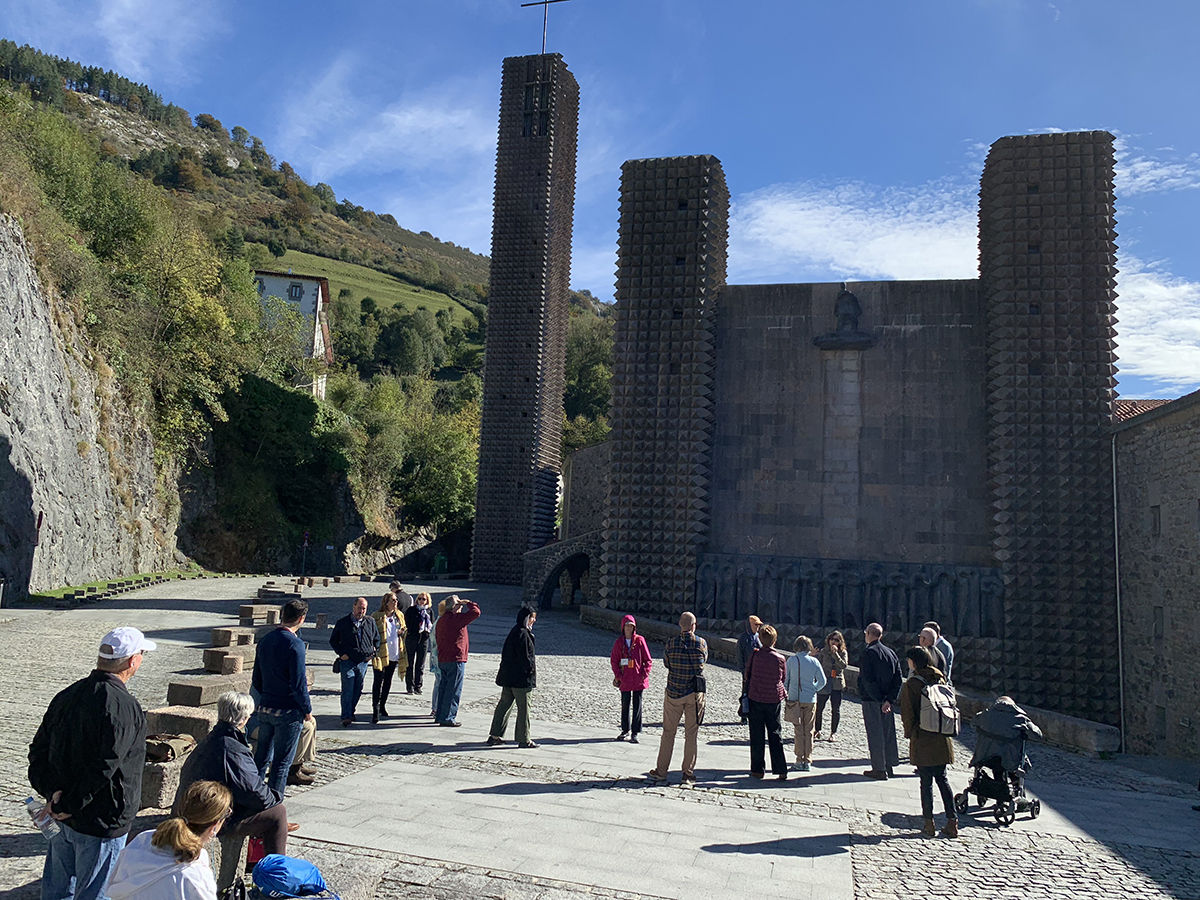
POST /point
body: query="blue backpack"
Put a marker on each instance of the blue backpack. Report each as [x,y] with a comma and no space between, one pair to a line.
[277,875]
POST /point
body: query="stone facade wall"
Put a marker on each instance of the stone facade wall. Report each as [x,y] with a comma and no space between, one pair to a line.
[873,454]
[520,442]
[1047,263]
[587,475]
[1158,495]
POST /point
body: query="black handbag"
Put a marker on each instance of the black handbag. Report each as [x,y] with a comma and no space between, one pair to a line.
[337,665]
[236,891]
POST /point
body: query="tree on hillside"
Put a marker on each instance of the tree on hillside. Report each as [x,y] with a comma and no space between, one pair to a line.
[240,135]
[589,367]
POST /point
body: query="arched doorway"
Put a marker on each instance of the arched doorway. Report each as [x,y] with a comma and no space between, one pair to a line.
[576,568]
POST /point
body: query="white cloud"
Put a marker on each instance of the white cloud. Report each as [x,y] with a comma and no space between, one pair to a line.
[854,231]
[1147,174]
[1159,327]
[155,41]
[330,131]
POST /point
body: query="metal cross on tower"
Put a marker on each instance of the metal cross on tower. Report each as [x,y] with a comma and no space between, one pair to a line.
[545,5]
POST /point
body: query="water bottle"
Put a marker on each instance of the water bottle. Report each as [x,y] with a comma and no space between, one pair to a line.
[42,819]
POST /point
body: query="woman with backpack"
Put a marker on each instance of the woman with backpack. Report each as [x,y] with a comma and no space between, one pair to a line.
[929,751]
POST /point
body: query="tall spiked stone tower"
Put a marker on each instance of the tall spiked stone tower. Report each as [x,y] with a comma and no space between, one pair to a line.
[670,267]
[520,444]
[1047,261]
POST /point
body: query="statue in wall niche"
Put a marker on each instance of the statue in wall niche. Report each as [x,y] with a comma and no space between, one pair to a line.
[848,336]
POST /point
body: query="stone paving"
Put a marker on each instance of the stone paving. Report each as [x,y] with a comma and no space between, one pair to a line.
[1107,830]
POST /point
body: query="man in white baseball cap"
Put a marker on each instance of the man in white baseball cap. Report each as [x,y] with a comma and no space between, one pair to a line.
[87,759]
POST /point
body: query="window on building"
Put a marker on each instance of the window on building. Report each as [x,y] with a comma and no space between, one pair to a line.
[296,292]
[1156,520]
[1160,630]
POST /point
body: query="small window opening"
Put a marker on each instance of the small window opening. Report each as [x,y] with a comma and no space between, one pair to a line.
[1156,520]
[677,312]
[1032,187]
[1035,309]
[1035,368]
[1033,248]
[681,260]
[683,204]
[1160,630]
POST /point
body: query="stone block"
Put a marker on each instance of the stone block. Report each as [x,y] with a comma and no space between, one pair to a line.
[160,781]
[231,665]
[194,720]
[203,690]
[228,636]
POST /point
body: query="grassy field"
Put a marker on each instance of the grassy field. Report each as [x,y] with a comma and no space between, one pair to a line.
[383,288]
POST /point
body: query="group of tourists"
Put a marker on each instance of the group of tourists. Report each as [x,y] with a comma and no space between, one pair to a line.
[88,754]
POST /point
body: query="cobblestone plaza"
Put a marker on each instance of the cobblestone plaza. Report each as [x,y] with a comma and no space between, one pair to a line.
[436,813]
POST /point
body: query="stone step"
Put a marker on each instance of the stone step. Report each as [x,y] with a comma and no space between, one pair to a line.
[215,659]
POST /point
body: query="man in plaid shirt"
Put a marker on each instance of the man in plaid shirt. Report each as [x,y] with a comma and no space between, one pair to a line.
[685,657]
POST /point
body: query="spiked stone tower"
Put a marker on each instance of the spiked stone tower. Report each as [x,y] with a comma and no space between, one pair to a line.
[1047,261]
[671,264]
[520,444]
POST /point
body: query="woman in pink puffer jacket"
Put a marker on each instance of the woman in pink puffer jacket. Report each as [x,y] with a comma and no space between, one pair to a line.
[631,673]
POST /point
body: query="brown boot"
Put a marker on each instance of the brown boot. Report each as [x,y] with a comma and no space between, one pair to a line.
[297,777]
[951,829]
[930,829]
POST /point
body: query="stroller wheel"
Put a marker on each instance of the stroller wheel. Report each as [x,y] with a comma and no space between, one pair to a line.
[1006,811]
[962,802]
[1035,809]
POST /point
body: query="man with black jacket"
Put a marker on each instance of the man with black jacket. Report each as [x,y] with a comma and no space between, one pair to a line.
[517,677]
[879,682]
[355,640]
[87,759]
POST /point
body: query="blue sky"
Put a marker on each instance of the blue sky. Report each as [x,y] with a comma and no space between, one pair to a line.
[852,133]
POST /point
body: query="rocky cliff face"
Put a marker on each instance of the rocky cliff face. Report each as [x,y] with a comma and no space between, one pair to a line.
[77,479]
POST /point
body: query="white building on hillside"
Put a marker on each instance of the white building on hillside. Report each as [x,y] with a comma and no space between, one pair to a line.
[310,296]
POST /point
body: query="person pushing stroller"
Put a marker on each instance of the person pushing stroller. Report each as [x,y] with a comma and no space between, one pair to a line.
[1001,731]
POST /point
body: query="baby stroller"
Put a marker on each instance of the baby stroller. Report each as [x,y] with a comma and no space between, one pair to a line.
[1000,735]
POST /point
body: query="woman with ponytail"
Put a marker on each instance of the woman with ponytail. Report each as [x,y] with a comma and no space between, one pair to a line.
[171,863]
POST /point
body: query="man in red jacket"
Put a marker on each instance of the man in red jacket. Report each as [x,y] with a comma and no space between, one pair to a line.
[452,646]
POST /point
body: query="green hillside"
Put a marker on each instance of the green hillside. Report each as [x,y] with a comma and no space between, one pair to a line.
[386,290]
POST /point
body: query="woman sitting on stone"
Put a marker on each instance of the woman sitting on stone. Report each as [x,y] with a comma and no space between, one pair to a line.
[171,863]
[224,757]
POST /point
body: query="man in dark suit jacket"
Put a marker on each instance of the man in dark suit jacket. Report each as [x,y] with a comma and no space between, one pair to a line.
[879,682]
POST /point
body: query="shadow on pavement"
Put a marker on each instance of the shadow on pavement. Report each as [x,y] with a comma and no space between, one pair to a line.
[526,788]
[815,845]
[28,845]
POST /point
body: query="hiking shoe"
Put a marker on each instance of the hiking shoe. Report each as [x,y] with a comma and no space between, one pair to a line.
[633,739]
[876,775]
[622,735]
[654,778]
[951,829]
[930,829]
[528,745]
[803,767]
[493,740]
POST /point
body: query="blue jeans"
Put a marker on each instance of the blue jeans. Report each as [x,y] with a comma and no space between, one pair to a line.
[452,685]
[437,689]
[277,739]
[78,865]
[353,677]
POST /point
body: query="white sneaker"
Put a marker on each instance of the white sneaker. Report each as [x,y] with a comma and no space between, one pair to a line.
[817,736]
[832,737]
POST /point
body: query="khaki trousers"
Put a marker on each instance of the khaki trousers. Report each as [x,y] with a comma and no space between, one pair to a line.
[807,713]
[673,710]
[306,748]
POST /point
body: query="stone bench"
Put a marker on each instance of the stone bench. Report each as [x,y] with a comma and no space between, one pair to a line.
[203,690]
[197,721]
[229,660]
[233,636]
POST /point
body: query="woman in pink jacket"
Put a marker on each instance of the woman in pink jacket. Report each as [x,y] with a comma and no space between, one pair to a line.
[631,673]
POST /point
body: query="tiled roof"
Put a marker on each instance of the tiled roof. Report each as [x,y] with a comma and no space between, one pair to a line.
[1127,409]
